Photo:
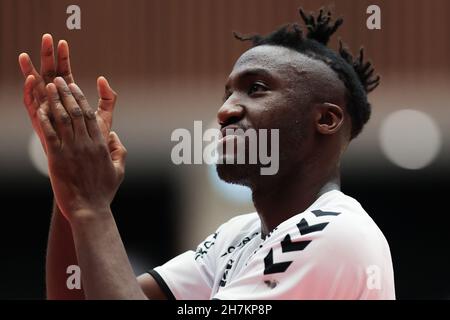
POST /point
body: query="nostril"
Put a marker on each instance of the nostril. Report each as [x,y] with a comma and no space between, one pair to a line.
[229,121]
[230,113]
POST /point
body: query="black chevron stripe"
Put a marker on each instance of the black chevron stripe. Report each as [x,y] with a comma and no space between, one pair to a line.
[288,246]
[305,228]
[320,213]
[270,267]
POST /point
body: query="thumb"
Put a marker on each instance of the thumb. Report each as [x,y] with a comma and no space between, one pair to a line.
[118,152]
[107,96]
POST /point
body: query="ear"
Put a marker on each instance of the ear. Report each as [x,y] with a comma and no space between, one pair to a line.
[329,118]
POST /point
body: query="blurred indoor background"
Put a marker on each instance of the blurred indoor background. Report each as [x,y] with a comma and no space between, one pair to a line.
[168,60]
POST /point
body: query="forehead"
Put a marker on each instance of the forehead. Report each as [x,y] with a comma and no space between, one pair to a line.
[284,63]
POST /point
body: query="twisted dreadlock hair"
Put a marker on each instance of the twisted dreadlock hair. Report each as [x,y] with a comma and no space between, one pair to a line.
[356,74]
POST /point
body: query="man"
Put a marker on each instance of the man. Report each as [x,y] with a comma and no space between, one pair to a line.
[307,239]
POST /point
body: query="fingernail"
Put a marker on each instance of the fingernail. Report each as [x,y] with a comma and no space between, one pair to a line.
[107,83]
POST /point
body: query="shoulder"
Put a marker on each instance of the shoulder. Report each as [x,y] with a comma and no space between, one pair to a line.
[239,225]
[235,230]
[335,228]
[353,228]
[334,249]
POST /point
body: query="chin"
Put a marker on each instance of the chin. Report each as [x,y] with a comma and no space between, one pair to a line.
[237,174]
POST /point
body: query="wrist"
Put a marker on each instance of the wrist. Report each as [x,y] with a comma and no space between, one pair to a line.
[89,215]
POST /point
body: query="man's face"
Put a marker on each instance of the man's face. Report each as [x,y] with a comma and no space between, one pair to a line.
[272,87]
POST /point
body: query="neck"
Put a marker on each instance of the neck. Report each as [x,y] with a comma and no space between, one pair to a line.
[291,195]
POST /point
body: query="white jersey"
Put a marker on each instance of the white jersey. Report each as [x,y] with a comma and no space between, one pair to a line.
[332,250]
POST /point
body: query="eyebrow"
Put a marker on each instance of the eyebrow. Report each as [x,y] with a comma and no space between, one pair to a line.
[255,72]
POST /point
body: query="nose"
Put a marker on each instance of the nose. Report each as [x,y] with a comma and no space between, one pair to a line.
[230,113]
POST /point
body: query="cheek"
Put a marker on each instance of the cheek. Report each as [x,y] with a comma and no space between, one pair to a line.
[286,115]
[290,125]
[270,113]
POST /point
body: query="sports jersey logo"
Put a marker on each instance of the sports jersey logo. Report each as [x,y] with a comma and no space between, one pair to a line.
[239,245]
[287,245]
[228,267]
[203,248]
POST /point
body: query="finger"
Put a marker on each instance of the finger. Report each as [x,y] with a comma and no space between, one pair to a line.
[28,96]
[28,69]
[107,100]
[52,140]
[30,99]
[61,117]
[48,71]
[31,103]
[89,114]
[72,107]
[107,96]
[117,151]
[32,106]
[63,68]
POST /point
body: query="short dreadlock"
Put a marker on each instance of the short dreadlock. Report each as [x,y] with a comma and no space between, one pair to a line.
[356,74]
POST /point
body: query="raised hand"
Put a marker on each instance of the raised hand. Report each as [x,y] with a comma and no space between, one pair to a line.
[35,94]
[85,169]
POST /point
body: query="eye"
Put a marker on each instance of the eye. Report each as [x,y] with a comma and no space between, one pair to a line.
[257,87]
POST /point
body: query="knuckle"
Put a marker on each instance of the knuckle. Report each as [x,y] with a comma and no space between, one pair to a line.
[65,91]
[76,112]
[89,114]
[83,101]
[64,118]
[80,96]
[55,97]
[77,95]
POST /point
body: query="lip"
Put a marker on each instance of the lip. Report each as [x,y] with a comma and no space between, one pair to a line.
[231,127]
[228,137]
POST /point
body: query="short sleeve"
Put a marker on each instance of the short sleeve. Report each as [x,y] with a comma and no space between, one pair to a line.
[191,274]
[334,256]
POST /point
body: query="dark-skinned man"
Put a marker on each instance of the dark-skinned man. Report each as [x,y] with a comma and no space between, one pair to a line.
[307,240]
